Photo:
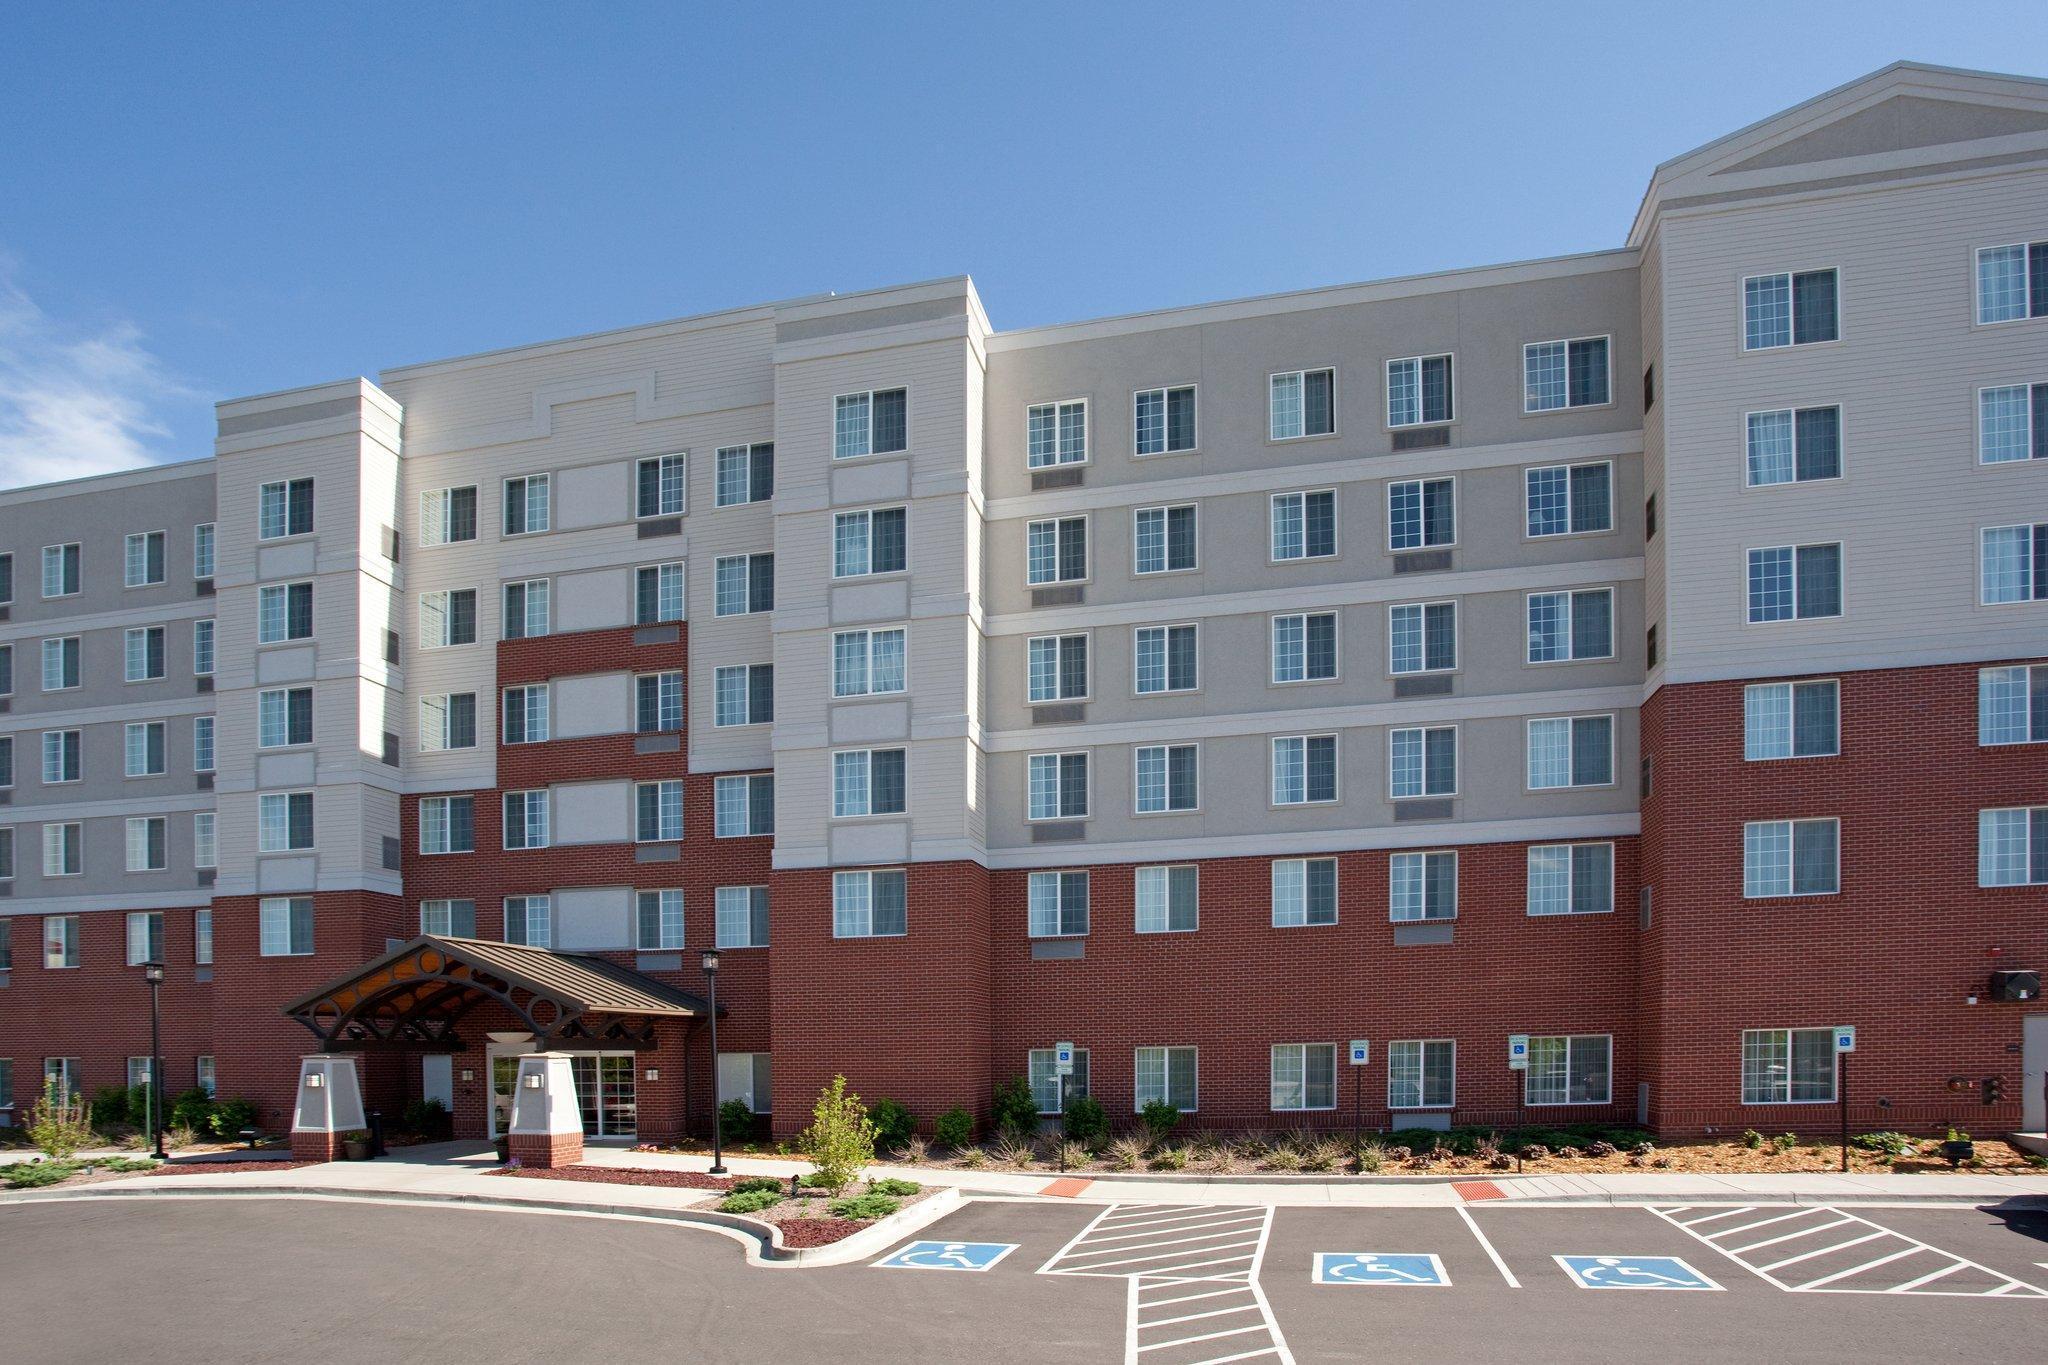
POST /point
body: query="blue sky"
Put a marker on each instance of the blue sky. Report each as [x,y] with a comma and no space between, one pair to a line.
[208,200]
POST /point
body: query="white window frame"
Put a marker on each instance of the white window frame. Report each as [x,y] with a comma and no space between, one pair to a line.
[1986,713]
[2029,570]
[2025,249]
[867,443]
[1422,482]
[1422,1047]
[1165,750]
[446,803]
[745,454]
[2027,434]
[724,783]
[1165,630]
[1336,769]
[1165,873]
[138,837]
[284,704]
[283,490]
[865,517]
[1140,1095]
[661,835]
[1570,618]
[863,761]
[531,905]
[1422,622]
[1165,392]
[446,602]
[1790,688]
[1988,859]
[1791,308]
[528,824]
[1300,376]
[62,948]
[1058,676]
[129,638]
[135,540]
[846,921]
[1166,511]
[76,658]
[1059,549]
[437,508]
[1457,761]
[281,593]
[1571,1043]
[268,801]
[1061,457]
[681,486]
[1834,1061]
[723,915]
[1571,879]
[1396,860]
[1613,751]
[1572,529]
[267,910]
[138,731]
[1273,678]
[546,483]
[1302,495]
[436,726]
[1789,889]
[1422,419]
[536,729]
[866,646]
[205,550]
[1056,879]
[1291,913]
[1032,761]
[1792,411]
[1567,405]
[1299,1053]
[531,590]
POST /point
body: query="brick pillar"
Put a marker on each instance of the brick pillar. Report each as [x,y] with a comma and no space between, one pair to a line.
[547,1127]
[329,1104]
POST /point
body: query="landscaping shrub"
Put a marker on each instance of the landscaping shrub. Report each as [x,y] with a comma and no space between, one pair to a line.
[1752,1139]
[1371,1156]
[974,1158]
[812,1180]
[1073,1154]
[864,1207]
[1159,1118]
[1125,1153]
[735,1123]
[756,1184]
[59,1125]
[1015,1110]
[841,1140]
[1535,1151]
[1014,1149]
[125,1163]
[138,1106]
[753,1201]
[1418,1139]
[1600,1148]
[33,1175]
[1887,1142]
[230,1117]
[1322,1155]
[955,1128]
[109,1107]
[192,1109]
[1283,1159]
[1784,1142]
[894,1123]
[1086,1121]
[915,1150]
[1169,1159]
[901,1189]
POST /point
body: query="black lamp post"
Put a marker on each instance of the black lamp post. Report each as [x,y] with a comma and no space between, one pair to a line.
[153,973]
[717,1129]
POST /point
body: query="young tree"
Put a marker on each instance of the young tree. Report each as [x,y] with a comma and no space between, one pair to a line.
[841,1139]
[59,1124]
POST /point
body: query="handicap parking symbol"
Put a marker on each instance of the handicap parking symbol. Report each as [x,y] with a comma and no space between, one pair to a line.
[1379,1267]
[1633,1272]
[946,1256]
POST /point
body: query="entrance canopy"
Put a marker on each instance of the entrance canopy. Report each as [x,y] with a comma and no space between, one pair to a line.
[414,996]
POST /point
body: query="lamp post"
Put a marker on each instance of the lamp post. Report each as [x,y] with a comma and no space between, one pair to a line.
[717,1129]
[153,973]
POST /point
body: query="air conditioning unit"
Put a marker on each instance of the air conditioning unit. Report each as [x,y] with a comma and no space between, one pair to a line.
[2015,986]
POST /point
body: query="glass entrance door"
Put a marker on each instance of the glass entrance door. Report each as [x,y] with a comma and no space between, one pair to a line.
[504,1076]
[604,1092]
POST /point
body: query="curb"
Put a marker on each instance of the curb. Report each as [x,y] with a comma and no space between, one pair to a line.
[1795,1199]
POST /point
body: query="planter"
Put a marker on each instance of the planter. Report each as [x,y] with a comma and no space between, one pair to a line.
[356,1149]
[1959,1152]
[504,1146]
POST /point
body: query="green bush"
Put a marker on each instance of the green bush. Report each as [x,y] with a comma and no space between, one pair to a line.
[894,1124]
[1159,1118]
[1752,1139]
[752,1201]
[902,1189]
[1086,1121]
[34,1175]
[1015,1110]
[1887,1143]
[128,1163]
[735,1122]
[863,1207]
[841,1139]
[955,1128]
[109,1107]
[192,1109]
[230,1117]
[1784,1142]
[756,1184]
[138,1106]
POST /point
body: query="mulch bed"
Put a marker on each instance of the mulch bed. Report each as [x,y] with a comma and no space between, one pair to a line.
[818,1232]
[621,1175]
[216,1167]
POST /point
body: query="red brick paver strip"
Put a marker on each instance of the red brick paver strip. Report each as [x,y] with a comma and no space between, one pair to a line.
[1472,1191]
[1067,1186]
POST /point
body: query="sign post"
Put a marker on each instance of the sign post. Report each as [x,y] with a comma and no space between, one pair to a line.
[1361,1053]
[1063,1067]
[1518,1052]
[1845,1043]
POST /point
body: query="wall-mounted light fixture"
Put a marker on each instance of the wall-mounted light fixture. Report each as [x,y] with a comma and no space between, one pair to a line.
[314,1080]
[533,1080]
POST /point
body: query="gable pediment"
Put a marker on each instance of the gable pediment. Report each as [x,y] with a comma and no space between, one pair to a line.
[1900,123]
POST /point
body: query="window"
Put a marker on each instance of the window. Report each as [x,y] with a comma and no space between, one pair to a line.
[1305,647]
[284,611]
[1056,434]
[2012,705]
[1569,626]
[449,918]
[528,504]
[60,663]
[1570,499]
[63,756]
[526,714]
[446,722]
[138,1072]
[63,849]
[1422,760]
[60,570]
[205,853]
[742,919]
[1301,403]
[202,937]
[873,423]
[143,559]
[1419,391]
[868,905]
[866,662]
[1564,374]
[1571,879]
[1058,904]
[1788,1066]
[284,821]
[1422,886]
[529,920]
[64,1075]
[1571,751]
[6,760]
[658,593]
[1304,892]
[1165,1075]
[1791,720]
[745,583]
[744,694]
[6,670]
[526,819]
[526,609]
[1166,658]
[1168,899]
[743,805]
[1058,787]
[2012,423]
[145,937]
[6,577]
[2015,564]
[285,926]
[143,654]
[1790,858]
[748,1077]
[1788,582]
[1304,1076]
[1422,637]
[867,782]
[659,486]
[1421,513]
[1042,1065]
[1165,539]
[446,618]
[202,647]
[143,749]
[2012,847]
[447,824]
[1794,445]
[1796,309]
[869,543]
[1057,550]
[204,1075]
[746,474]
[658,811]
[658,702]
[1167,779]
[1576,1069]
[60,941]
[284,716]
[448,516]
[1304,769]
[1058,667]
[1163,420]
[1305,525]
[285,509]
[1422,1073]
[2012,282]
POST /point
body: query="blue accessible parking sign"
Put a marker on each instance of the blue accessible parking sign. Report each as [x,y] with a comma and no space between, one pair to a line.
[946,1256]
[1633,1272]
[1379,1267]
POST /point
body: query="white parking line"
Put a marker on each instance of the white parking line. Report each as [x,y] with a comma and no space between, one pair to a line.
[1494,1256]
[1888,1247]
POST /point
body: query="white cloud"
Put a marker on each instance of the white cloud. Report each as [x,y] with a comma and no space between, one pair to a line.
[74,401]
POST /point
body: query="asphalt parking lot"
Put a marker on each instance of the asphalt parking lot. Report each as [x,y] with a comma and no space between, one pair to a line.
[260,1280]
